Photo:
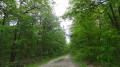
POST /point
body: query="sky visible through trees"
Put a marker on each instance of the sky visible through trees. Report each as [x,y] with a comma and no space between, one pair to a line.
[29,32]
[60,8]
[35,30]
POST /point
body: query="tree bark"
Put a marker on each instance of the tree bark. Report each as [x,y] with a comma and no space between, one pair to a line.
[119,10]
[37,48]
[2,30]
[1,36]
[13,53]
[116,24]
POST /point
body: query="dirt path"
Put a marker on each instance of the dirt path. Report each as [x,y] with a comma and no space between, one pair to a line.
[64,61]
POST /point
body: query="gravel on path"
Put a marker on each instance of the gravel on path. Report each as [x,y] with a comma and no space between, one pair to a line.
[64,61]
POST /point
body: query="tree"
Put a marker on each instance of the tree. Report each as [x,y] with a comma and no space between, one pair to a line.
[95,31]
[29,31]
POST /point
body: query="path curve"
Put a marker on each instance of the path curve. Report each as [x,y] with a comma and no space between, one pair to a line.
[64,61]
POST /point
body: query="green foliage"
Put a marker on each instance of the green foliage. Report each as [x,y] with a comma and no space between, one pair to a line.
[95,31]
[29,29]
[78,61]
[43,62]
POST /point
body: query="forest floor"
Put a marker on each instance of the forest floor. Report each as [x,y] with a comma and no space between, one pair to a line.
[64,61]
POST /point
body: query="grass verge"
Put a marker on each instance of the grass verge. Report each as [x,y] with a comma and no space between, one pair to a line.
[78,61]
[43,62]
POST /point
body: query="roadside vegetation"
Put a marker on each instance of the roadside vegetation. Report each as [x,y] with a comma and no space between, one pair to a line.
[29,32]
[79,61]
[42,62]
[95,36]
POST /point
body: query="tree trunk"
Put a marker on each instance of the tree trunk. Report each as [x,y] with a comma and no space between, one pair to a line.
[115,22]
[100,27]
[1,36]
[13,53]
[2,30]
[37,49]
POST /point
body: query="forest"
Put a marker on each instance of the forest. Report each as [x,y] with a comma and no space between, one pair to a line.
[95,31]
[30,32]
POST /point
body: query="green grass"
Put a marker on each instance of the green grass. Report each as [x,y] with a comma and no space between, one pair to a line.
[78,61]
[43,62]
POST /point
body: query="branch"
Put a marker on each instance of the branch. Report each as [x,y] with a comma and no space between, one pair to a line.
[111,19]
[93,6]
[115,18]
[105,9]
[31,9]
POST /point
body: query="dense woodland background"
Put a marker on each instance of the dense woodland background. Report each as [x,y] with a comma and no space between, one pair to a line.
[95,31]
[29,32]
